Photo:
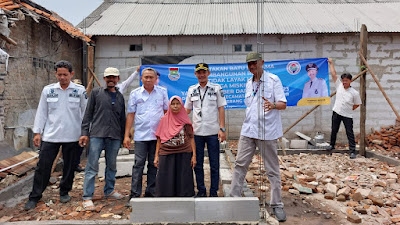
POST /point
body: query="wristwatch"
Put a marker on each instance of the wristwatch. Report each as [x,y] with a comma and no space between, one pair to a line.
[222,129]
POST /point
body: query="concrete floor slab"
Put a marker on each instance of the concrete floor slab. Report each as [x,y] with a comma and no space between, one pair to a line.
[151,210]
[226,209]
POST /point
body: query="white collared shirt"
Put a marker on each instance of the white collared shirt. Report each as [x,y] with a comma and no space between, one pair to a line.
[345,100]
[259,124]
[60,112]
[148,109]
[205,115]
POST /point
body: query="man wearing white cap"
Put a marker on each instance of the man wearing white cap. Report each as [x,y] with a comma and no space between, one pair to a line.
[104,122]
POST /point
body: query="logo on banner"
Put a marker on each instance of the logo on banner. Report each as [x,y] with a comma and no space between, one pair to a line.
[173,73]
[293,67]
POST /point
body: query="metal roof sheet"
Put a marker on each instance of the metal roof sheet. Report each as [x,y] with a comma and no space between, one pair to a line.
[134,19]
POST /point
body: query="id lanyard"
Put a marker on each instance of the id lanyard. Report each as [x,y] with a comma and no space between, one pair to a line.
[202,99]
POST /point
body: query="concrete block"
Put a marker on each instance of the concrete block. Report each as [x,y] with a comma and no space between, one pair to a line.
[223,163]
[298,144]
[226,209]
[172,210]
[225,176]
[226,188]
[124,166]
[285,143]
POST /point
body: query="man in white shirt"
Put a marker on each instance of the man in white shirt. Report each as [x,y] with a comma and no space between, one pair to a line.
[315,87]
[146,105]
[347,100]
[261,128]
[57,123]
[207,101]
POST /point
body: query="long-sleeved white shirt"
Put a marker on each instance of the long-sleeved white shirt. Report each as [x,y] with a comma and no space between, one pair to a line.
[259,124]
[60,112]
[123,86]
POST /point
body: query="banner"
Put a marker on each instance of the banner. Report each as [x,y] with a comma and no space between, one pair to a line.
[305,82]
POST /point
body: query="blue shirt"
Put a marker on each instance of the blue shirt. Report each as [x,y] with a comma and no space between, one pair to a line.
[148,109]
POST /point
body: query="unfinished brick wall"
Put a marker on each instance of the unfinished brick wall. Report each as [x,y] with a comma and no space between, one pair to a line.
[383,57]
[30,68]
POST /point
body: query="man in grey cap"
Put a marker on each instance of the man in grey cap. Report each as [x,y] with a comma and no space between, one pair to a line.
[315,87]
[261,128]
[104,122]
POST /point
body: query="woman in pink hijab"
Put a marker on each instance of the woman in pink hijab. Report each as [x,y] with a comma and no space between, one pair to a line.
[175,152]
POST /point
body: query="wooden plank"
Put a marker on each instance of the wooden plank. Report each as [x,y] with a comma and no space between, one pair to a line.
[20,169]
[363,88]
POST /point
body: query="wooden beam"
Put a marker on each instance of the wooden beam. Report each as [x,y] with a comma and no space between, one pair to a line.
[94,75]
[315,107]
[379,86]
[90,63]
[363,88]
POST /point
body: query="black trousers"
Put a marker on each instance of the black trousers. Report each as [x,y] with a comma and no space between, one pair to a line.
[47,154]
[175,176]
[348,124]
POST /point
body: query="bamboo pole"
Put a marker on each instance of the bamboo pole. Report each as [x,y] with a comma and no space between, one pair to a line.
[315,107]
[379,86]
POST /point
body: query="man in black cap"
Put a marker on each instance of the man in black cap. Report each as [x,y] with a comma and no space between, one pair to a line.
[315,87]
[261,128]
[207,101]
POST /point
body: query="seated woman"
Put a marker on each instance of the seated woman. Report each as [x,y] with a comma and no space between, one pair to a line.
[175,152]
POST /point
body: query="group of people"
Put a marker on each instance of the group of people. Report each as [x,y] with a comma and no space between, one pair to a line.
[164,135]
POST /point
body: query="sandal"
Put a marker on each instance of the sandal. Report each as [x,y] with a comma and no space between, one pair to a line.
[114,195]
[88,205]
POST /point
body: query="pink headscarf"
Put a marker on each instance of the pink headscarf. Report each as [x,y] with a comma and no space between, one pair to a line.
[171,124]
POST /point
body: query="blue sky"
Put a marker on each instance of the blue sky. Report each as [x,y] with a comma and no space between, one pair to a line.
[72,10]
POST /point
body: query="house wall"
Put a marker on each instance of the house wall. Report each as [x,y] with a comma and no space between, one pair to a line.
[37,42]
[383,57]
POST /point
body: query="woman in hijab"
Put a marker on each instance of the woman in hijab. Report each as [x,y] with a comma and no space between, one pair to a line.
[175,152]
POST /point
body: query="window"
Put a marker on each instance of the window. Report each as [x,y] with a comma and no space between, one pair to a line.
[135,48]
[248,48]
[237,48]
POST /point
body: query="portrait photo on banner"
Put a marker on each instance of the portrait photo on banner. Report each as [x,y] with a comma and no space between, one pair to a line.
[305,81]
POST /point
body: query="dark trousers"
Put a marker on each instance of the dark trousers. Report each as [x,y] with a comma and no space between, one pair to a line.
[348,124]
[77,160]
[144,150]
[213,155]
[175,176]
[47,154]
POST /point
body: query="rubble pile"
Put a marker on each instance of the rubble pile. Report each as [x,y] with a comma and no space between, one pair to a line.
[387,139]
[366,190]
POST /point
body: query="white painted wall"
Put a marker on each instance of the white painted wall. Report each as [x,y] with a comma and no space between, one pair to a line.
[383,57]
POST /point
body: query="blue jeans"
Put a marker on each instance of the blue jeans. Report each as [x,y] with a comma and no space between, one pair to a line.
[213,155]
[96,145]
[144,150]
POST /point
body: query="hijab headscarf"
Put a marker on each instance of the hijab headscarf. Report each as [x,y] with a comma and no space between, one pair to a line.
[171,124]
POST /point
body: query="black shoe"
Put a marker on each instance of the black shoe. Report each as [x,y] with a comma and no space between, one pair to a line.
[353,155]
[148,194]
[30,205]
[279,214]
[79,169]
[200,195]
[330,148]
[65,198]
[213,195]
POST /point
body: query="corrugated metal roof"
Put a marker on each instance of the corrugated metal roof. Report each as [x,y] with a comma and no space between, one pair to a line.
[133,19]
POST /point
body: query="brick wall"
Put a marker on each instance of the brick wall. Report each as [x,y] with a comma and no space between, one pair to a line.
[383,56]
[39,43]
